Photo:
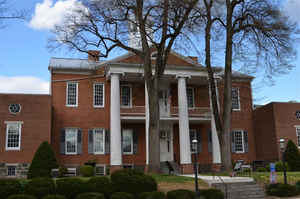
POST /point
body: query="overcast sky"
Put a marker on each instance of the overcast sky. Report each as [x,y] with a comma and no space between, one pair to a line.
[25,58]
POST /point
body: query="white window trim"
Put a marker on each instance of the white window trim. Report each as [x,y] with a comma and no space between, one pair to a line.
[103,85]
[131,150]
[20,135]
[67,93]
[193,93]
[101,165]
[11,165]
[239,100]
[243,141]
[130,101]
[66,151]
[103,131]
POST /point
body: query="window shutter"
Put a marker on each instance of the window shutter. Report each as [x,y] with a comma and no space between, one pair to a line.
[63,141]
[209,141]
[122,141]
[246,145]
[232,143]
[199,144]
[135,142]
[107,141]
[79,141]
[91,141]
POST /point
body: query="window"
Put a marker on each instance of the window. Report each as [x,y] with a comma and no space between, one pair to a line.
[14,108]
[193,136]
[190,97]
[100,170]
[11,170]
[72,94]
[126,96]
[98,95]
[99,141]
[298,115]
[153,55]
[127,141]
[298,135]
[239,141]
[13,135]
[71,141]
[235,99]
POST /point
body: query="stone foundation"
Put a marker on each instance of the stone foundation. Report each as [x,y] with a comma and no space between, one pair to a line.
[186,169]
[21,169]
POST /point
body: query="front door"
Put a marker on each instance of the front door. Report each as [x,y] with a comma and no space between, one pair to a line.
[164,105]
[166,146]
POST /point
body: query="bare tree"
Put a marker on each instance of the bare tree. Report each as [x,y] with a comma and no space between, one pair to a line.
[103,24]
[7,13]
[257,34]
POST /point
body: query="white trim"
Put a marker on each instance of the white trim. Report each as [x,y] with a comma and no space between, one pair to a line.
[13,122]
[67,93]
[76,139]
[239,100]
[20,136]
[11,165]
[103,86]
[243,141]
[103,132]
[131,150]
[153,58]
[130,100]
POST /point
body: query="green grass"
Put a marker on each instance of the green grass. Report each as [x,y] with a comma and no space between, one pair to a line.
[171,178]
[264,177]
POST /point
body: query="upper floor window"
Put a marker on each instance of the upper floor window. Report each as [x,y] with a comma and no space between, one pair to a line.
[72,94]
[126,96]
[239,141]
[127,141]
[298,135]
[235,94]
[190,97]
[13,135]
[71,141]
[99,95]
[297,115]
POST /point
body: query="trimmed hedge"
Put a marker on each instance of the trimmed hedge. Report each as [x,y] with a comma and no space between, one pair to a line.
[180,194]
[281,190]
[54,197]
[9,187]
[70,187]
[261,169]
[21,196]
[87,171]
[101,185]
[212,194]
[90,195]
[43,162]
[152,195]
[40,187]
[121,195]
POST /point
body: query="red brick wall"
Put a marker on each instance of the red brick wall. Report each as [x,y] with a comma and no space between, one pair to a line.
[36,128]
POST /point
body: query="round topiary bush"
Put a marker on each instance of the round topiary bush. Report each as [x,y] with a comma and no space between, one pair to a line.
[212,194]
[121,195]
[71,187]
[9,187]
[21,196]
[281,190]
[43,162]
[87,170]
[180,194]
[54,197]
[40,187]
[152,195]
[101,185]
[90,195]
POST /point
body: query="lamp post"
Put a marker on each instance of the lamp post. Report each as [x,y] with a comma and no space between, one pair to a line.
[195,147]
[282,148]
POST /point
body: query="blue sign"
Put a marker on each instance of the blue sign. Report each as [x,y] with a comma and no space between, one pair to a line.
[272,167]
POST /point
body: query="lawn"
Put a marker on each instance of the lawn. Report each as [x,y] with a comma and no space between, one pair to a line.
[264,177]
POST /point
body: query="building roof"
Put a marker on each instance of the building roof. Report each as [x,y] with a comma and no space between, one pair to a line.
[68,63]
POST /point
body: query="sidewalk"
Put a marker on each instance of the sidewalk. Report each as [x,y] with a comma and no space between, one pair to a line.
[219,179]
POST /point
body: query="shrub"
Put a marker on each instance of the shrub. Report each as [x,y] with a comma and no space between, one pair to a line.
[70,187]
[87,170]
[132,181]
[90,195]
[9,187]
[40,187]
[54,197]
[21,196]
[298,186]
[62,171]
[181,193]
[261,169]
[281,190]
[43,161]
[292,156]
[101,185]
[152,195]
[268,169]
[212,194]
[121,195]
[279,166]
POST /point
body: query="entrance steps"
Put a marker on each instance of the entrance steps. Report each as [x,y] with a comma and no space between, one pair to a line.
[169,167]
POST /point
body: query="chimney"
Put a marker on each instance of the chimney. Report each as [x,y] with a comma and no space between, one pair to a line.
[93,55]
[195,59]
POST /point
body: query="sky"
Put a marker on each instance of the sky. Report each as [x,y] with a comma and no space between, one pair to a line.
[24,56]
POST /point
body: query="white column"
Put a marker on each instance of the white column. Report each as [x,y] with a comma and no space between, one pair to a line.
[115,122]
[184,131]
[147,123]
[215,139]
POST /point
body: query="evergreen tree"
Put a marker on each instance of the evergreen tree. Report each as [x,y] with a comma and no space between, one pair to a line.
[292,156]
[43,161]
